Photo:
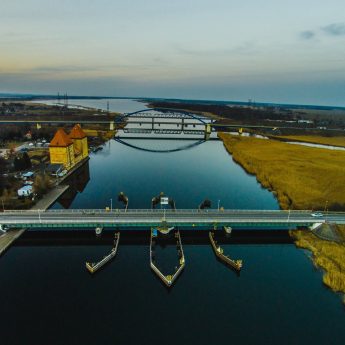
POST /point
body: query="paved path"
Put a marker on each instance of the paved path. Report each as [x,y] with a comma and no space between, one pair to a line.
[49,198]
[7,238]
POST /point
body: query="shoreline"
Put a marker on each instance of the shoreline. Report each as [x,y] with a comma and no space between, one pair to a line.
[43,204]
[326,254]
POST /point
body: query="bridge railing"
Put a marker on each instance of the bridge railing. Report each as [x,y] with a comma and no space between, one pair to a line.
[162,211]
[156,210]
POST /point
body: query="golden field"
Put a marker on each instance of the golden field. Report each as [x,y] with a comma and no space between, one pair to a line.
[314,139]
[327,255]
[301,177]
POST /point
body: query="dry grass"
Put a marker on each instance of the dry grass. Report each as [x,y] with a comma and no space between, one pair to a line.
[328,255]
[315,139]
[301,177]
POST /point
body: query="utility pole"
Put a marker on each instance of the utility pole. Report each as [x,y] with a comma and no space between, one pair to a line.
[326,210]
[111,204]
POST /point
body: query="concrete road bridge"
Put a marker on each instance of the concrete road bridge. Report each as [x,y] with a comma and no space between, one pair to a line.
[143,219]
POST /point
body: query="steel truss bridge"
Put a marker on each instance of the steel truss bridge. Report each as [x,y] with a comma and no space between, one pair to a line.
[143,219]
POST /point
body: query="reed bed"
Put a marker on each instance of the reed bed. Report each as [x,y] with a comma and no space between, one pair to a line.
[300,177]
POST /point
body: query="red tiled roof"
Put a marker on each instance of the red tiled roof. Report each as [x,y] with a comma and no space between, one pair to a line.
[61,139]
[77,132]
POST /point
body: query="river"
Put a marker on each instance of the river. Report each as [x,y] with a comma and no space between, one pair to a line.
[48,297]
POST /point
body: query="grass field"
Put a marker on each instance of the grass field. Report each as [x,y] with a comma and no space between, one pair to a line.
[301,177]
[327,255]
[316,139]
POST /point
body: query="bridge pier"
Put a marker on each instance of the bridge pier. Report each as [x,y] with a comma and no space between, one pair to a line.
[207,131]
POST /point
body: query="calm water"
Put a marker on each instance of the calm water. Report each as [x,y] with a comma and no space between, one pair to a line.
[47,297]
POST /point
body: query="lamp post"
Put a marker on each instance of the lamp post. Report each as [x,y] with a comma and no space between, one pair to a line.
[111,204]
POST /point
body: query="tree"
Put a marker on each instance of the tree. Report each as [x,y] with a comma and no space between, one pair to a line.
[41,184]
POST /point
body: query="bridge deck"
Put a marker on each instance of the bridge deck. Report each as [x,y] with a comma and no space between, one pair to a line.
[144,219]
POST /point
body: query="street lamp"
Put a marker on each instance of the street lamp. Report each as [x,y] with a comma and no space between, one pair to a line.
[326,210]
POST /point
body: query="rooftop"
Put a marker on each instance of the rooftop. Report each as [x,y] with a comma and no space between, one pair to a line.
[77,132]
[61,139]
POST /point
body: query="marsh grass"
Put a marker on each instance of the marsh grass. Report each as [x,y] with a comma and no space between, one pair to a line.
[300,177]
[327,255]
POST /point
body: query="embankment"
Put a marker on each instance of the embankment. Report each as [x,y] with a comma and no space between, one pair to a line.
[302,178]
[329,256]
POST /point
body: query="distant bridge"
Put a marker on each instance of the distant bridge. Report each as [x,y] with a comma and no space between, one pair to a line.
[144,219]
[159,121]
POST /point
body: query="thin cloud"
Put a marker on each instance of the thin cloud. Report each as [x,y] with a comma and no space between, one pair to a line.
[248,47]
[335,29]
[307,35]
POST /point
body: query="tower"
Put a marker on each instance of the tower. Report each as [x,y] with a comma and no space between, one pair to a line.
[80,144]
[61,149]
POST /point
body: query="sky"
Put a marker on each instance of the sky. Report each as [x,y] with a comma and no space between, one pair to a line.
[268,51]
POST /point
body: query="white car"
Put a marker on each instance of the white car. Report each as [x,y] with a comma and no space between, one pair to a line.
[317,214]
[62,173]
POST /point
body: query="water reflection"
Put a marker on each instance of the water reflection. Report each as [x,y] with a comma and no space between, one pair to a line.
[168,150]
[142,238]
[77,183]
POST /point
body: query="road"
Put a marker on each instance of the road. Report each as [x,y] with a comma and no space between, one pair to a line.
[145,218]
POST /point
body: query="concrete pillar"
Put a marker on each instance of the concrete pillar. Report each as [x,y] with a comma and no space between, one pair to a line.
[111,125]
[207,131]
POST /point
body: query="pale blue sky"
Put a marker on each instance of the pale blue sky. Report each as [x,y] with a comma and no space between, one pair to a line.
[280,51]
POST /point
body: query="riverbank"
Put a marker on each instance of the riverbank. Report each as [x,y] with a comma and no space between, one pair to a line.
[300,177]
[338,141]
[304,178]
[327,255]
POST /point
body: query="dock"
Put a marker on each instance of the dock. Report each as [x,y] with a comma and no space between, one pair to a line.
[8,238]
[93,267]
[236,264]
[168,280]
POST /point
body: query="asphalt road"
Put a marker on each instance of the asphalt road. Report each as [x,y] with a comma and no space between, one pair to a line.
[141,217]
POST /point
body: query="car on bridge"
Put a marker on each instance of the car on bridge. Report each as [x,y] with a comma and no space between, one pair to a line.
[317,214]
